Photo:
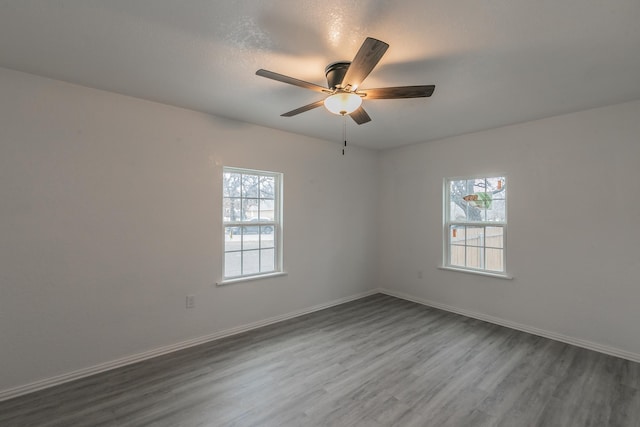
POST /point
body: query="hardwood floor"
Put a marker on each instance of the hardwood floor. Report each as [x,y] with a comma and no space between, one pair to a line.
[378,361]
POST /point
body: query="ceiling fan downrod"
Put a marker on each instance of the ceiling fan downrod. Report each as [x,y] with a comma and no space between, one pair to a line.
[344,132]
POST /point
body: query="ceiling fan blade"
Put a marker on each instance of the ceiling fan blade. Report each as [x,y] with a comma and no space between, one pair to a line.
[286,79]
[360,116]
[365,60]
[303,108]
[399,92]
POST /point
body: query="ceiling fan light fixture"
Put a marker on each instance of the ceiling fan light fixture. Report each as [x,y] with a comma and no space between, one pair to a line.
[343,103]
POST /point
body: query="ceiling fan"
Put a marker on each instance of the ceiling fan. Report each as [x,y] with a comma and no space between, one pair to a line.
[344,80]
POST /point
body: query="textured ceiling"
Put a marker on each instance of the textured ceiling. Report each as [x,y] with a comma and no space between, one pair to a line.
[494,62]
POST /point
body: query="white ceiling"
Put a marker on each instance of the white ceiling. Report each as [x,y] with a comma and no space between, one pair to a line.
[494,62]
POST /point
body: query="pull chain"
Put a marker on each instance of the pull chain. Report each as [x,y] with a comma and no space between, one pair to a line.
[344,132]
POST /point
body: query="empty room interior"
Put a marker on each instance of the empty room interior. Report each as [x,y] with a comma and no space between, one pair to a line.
[280,213]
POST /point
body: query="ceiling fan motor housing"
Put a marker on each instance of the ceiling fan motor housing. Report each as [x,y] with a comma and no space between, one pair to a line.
[335,73]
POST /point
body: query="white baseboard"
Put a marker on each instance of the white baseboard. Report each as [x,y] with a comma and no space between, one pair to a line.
[589,345]
[102,367]
[92,370]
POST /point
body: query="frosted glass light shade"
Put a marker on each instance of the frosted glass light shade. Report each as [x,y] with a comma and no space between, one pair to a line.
[343,103]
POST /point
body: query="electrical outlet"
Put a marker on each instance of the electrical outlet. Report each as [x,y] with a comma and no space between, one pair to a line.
[191,301]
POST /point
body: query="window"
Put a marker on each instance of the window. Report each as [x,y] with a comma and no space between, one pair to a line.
[475,224]
[252,220]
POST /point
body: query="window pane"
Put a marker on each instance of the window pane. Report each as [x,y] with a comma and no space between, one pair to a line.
[494,237]
[474,257]
[475,236]
[250,262]
[267,212]
[232,239]
[456,212]
[249,209]
[266,236]
[496,186]
[231,183]
[267,260]
[231,209]
[250,237]
[459,208]
[479,185]
[250,185]
[472,212]
[267,187]
[457,234]
[457,255]
[494,260]
[232,264]
[497,211]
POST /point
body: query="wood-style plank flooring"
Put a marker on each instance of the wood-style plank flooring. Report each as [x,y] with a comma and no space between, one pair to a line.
[378,361]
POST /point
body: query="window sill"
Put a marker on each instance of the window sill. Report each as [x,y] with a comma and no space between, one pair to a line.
[476,272]
[250,278]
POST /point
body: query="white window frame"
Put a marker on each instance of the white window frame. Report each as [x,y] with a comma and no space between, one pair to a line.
[448,224]
[276,225]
